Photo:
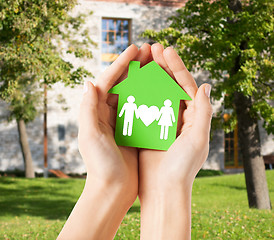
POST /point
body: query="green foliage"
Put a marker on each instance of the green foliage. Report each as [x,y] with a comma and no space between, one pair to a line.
[34,38]
[236,48]
[219,209]
[209,173]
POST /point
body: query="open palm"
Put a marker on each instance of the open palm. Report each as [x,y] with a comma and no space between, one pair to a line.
[104,160]
[187,154]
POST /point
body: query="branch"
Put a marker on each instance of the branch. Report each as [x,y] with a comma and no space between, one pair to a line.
[235,5]
[34,39]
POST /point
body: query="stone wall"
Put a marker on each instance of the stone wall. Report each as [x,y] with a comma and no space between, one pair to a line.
[62,135]
[62,118]
[170,3]
[62,124]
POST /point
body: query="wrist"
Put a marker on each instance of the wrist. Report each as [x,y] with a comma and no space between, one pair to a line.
[120,190]
[168,213]
[163,184]
[98,212]
[166,192]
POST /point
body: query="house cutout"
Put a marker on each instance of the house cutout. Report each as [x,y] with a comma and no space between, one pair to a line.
[148,107]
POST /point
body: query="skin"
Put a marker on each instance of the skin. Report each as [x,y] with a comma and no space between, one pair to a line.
[116,175]
[166,177]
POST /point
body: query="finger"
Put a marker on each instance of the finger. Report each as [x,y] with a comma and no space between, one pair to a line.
[114,71]
[150,58]
[180,118]
[182,75]
[112,103]
[202,114]
[112,119]
[143,56]
[88,117]
[112,100]
[157,53]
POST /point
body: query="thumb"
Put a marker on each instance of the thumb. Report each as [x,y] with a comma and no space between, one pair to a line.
[203,114]
[88,117]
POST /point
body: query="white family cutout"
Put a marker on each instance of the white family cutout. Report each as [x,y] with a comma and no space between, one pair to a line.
[164,116]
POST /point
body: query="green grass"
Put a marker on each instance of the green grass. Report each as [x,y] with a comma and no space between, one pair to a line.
[38,208]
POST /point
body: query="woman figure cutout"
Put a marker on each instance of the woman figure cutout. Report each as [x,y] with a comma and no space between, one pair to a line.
[166,117]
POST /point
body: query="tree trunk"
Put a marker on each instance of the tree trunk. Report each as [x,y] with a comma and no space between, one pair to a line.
[256,184]
[23,139]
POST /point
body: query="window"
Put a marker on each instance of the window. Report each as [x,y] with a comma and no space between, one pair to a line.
[233,156]
[115,39]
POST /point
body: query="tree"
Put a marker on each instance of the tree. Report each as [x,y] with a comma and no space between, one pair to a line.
[34,37]
[233,41]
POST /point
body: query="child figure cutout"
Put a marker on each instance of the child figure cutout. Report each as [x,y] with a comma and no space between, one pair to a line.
[129,108]
[167,118]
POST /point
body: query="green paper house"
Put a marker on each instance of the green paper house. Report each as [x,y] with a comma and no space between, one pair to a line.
[148,107]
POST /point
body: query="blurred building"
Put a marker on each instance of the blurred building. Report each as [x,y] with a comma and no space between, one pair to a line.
[114,25]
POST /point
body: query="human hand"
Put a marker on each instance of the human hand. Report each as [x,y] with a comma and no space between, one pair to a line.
[187,154]
[104,160]
[166,177]
[112,172]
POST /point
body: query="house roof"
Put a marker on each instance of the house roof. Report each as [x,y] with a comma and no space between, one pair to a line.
[150,81]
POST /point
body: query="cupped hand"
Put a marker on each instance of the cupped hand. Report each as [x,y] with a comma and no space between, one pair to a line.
[179,165]
[106,163]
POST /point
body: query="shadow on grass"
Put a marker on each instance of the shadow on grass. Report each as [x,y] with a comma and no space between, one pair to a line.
[48,199]
[6,180]
[229,186]
[134,209]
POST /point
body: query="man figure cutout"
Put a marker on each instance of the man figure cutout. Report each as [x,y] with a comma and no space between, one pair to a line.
[167,118]
[129,108]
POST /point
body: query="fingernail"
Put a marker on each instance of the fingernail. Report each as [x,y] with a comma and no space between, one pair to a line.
[85,89]
[207,90]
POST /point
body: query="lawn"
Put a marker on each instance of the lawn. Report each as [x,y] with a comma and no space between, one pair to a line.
[38,208]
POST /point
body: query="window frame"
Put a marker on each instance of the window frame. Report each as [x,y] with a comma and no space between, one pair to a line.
[102,40]
[235,149]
